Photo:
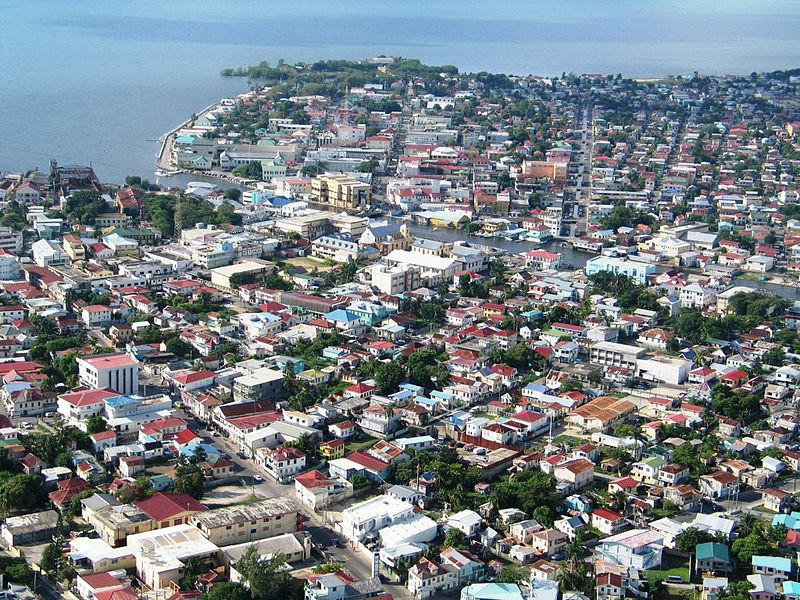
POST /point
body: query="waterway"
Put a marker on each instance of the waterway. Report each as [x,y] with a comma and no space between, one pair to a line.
[100,81]
[569,256]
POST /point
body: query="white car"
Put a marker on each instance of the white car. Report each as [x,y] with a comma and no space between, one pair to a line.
[258,478]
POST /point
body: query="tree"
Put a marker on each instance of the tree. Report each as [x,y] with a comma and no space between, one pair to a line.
[455,538]
[266,577]
[227,215]
[21,492]
[96,424]
[775,357]
[389,376]
[513,573]
[140,489]
[687,540]
[228,591]
[544,515]
[178,347]
[192,569]
[757,543]
[189,479]
[51,556]
[736,590]
[233,194]
[571,385]
[735,404]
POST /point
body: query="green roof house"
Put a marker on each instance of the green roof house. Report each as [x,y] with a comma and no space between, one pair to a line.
[713,557]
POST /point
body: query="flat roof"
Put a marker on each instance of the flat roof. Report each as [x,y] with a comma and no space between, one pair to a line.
[109,361]
[221,517]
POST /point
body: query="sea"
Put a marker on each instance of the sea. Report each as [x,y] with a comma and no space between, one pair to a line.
[98,82]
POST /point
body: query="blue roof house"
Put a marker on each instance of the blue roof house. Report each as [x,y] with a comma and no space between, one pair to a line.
[774,566]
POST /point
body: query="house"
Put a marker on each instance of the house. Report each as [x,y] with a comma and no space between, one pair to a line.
[367,518]
[576,473]
[340,585]
[282,462]
[763,587]
[775,499]
[168,509]
[609,586]
[237,524]
[638,548]
[33,528]
[713,557]
[427,578]
[316,490]
[466,521]
[607,521]
[343,429]
[647,470]
[719,484]
[549,542]
[773,566]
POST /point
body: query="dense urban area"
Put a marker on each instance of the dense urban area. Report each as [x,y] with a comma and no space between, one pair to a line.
[413,333]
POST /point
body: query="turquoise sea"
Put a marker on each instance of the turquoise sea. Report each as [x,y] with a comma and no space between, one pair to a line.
[98,81]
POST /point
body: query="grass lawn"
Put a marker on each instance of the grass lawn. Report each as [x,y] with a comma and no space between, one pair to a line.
[568,440]
[354,446]
[309,263]
[670,565]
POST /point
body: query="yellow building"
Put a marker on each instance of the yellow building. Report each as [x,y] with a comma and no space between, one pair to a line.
[340,191]
[332,449]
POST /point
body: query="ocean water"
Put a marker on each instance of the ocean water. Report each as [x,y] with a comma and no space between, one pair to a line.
[99,81]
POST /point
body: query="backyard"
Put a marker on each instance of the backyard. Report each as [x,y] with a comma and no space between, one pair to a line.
[670,565]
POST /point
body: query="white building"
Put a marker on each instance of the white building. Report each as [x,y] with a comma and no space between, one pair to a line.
[96,314]
[696,296]
[47,253]
[434,269]
[11,240]
[9,265]
[395,280]
[640,548]
[372,515]
[119,371]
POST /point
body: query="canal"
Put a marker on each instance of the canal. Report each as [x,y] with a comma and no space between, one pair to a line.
[570,256]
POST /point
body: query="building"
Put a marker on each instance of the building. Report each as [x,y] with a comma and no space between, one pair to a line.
[713,557]
[608,521]
[246,523]
[396,280]
[639,548]
[161,554]
[340,191]
[11,240]
[48,254]
[115,523]
[167,509]
[33,528]
[226,278]
[427,578]
[611,354]
[282,462]
[433,269]
[118,371]
[370,516]
[637,271]
[262,384]
[96,315]
[316,490]
[9,265]
[542,260]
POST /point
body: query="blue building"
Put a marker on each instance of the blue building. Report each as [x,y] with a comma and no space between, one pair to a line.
[637,271]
